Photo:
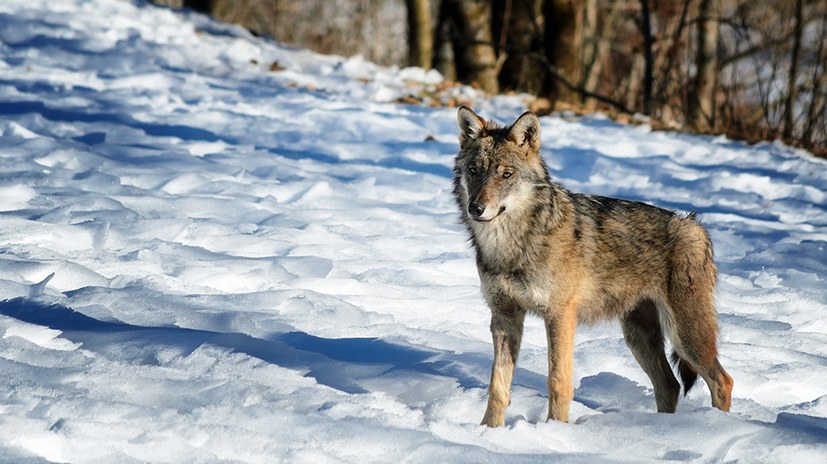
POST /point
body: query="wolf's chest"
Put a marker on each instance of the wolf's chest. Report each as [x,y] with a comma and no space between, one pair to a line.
[498,247]
[530,293]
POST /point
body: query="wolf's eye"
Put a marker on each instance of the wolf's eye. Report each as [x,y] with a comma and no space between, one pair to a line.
[507,174]
[472,170]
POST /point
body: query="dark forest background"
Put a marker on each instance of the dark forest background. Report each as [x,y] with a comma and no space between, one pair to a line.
[750,69]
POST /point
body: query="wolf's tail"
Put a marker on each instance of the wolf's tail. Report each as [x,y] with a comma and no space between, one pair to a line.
[691,300]
[687,373]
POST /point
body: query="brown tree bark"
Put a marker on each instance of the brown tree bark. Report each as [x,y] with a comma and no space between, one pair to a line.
[646,30]
[564,21]
[602,45]
[701,115]
[443,59]
[818,103]
[420,35]
[792,82]
[520,33]
[470,25]
[198,5]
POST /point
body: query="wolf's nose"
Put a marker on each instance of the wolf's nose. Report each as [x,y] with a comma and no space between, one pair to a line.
[476,209]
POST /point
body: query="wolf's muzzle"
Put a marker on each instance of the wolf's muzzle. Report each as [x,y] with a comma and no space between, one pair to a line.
[476,210]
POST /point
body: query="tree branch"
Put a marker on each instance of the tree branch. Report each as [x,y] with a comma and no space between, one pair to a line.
[554,73]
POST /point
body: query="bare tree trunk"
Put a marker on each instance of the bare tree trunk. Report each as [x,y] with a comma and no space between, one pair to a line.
[819,82]
[646,30]
[199,5]
[473,42]
[669,48]
[702,102]
[420,36]
[443,59]
[521,33]
[564,21]
[602,46]
[634,80]
[792,84]
[590,34]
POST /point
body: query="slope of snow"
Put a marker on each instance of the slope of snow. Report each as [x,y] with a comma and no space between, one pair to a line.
[203,260]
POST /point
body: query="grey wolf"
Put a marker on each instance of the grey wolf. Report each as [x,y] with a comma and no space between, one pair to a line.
[574,258]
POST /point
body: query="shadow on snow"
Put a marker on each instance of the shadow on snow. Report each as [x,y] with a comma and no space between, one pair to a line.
[341,363]
[337,363]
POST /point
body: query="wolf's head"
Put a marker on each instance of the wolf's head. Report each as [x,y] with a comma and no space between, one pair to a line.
[497,167]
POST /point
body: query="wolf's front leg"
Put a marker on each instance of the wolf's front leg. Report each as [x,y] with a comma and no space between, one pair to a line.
[560,333]
[507,331]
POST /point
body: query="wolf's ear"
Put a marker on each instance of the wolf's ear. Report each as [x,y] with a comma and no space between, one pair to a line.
[526,129]
[470,125]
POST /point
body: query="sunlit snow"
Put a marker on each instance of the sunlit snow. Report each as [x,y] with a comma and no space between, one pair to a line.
[202,260]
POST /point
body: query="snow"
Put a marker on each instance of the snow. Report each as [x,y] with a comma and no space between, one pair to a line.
[203,260]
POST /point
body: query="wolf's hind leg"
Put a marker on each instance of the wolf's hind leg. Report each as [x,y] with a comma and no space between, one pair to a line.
[644,336]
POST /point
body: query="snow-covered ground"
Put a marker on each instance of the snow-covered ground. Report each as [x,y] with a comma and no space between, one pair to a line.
[203,260]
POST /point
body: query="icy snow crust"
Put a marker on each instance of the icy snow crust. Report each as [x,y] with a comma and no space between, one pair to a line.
[202,260]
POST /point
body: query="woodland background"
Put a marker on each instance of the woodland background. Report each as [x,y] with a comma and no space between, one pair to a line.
[750,69]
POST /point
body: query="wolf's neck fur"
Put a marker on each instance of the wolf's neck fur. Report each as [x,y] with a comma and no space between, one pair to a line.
[515,240]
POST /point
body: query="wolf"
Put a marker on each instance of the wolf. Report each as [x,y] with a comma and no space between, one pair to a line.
[575,258]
